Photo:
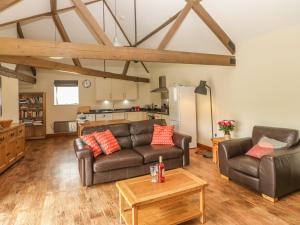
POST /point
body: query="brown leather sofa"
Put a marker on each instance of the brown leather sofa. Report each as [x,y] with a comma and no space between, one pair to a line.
[136,153]
[274,175]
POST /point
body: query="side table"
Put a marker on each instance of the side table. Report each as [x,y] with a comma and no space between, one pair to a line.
[215,142]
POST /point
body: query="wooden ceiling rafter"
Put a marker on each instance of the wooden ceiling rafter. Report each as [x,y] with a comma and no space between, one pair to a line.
[46,64]
[18,75]
[107,51]
[127,63]
[156,30]
[180,18]
[21,35]
[213,25]
[37,48]
[91,23]
[46,14]
[4,4]
[60,27]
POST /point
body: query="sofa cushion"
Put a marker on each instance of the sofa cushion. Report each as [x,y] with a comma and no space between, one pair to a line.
[92,143]
[107,141]
[162,135]
[118,160]
[120,131]
[151,153]
[245,164]
[141,131]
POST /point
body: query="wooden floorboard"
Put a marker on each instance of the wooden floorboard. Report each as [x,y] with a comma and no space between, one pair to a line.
[44,188]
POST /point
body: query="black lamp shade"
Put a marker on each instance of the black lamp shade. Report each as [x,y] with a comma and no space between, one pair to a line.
[201,89]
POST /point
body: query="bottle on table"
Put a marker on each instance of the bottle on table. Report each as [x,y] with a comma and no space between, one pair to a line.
[161,170]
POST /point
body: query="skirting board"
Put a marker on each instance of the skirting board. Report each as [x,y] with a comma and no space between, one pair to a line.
[208,148]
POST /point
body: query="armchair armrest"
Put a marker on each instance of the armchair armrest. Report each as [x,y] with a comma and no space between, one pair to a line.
[85,162]
[230,149]
[279,172]
[182,141]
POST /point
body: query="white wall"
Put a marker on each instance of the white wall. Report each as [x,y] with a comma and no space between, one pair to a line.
[10,99]
[87,96]
[262,89]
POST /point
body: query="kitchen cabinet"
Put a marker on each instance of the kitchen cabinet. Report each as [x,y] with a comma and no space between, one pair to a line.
[166,118]
[115,90]
[12,145]
[136,116]
[131,90]
[118,90]
[106,116]
[103,89]
[118,116]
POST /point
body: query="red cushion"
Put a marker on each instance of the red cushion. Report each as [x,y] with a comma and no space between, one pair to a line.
[107,141]
[92,143]
[258,151]
[162,135]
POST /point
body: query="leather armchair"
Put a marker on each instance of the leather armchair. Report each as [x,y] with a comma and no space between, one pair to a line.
[274,175]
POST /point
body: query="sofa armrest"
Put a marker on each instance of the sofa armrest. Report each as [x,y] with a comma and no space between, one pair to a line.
[183,141]
[279,172]
[230,149]
[85,162]
[81,149]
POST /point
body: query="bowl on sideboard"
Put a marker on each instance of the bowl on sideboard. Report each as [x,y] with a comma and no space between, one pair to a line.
[5,123]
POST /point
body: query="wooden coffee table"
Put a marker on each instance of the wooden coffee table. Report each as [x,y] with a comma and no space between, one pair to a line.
[171,202]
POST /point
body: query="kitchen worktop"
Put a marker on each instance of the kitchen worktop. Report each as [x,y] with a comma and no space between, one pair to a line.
[105,111]
[87,124]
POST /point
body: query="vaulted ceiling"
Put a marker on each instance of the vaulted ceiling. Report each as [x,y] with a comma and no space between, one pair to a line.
[242,20]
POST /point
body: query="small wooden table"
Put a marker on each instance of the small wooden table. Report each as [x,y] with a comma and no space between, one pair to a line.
[171,202]
[215,148]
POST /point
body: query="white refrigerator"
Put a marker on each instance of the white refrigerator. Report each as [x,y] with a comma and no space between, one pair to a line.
[182,106]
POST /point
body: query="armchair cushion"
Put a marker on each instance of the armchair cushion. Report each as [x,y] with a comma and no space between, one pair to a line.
[245,164]
[289,136]
[266,146]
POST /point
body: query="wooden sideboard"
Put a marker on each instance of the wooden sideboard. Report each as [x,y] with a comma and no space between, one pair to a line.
[12,145]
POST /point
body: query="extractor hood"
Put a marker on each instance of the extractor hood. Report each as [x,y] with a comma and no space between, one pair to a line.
[162,86]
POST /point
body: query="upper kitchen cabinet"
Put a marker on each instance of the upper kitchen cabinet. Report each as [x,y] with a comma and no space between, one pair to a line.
[103,89]
[131,90]
[118,90]
[115,90]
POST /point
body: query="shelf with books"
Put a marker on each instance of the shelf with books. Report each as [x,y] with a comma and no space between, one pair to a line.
[32,112]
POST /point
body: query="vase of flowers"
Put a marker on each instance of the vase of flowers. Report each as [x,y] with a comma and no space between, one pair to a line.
[226,126]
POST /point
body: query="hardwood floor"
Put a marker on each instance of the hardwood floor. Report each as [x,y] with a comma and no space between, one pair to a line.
[44,188]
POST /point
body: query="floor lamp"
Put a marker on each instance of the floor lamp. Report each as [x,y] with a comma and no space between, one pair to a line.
[202,90]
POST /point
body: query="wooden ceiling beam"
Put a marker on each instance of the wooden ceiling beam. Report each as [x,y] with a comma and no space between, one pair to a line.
[91,23]
[156,30]
[26,47]
[125,70]
[14,74]
[214,27]
[46,64]
[182,15]
[64,35]
[4,4]
[21,35]
[47,14]
[53,6]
